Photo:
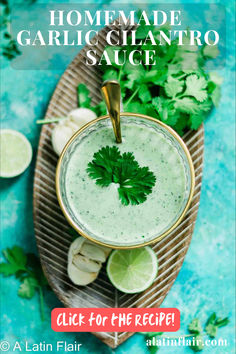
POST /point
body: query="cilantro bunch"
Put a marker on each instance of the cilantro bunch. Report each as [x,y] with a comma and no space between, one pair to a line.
[177,90]
[26,268]
[110,166]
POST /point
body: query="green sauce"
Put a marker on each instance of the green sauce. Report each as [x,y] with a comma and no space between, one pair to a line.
[99,209]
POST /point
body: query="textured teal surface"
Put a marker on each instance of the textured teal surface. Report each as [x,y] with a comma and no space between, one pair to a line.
[206,280]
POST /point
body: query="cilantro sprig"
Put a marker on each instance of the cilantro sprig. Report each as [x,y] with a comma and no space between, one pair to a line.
[177,90]
[26,268]
[9,47]
[110,166]
[196,333]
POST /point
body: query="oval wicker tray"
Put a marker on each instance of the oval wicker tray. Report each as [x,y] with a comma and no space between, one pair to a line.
[51,228]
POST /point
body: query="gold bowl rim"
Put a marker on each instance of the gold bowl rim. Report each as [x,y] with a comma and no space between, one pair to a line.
[156,239]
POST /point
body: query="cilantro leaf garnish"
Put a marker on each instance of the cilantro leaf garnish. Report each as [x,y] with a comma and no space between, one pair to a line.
[103,165]
[110,166]
[26,268]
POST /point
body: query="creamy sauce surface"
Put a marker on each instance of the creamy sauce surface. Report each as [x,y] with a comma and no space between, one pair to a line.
[99,209]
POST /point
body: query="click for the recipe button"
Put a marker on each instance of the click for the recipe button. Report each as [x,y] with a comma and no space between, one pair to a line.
[115,319]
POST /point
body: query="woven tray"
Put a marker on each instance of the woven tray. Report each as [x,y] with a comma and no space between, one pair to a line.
[51,228]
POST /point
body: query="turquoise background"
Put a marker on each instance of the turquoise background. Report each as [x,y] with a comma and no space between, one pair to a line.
[206,280]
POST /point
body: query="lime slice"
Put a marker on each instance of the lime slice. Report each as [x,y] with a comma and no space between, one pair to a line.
[15,153]
[132,271]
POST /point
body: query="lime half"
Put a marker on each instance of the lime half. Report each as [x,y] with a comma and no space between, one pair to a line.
[132,271]
[15,153]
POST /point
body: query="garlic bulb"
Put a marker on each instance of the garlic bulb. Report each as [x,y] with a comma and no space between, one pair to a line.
[85,260]
[64,130]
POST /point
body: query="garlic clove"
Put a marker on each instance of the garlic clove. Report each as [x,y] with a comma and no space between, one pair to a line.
[85,264]
[60,136]
[80,277]
[106,250]
[93,252]
[75,248]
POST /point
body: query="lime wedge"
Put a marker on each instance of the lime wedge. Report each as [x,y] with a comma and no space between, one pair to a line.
[15,153]
[132,271]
